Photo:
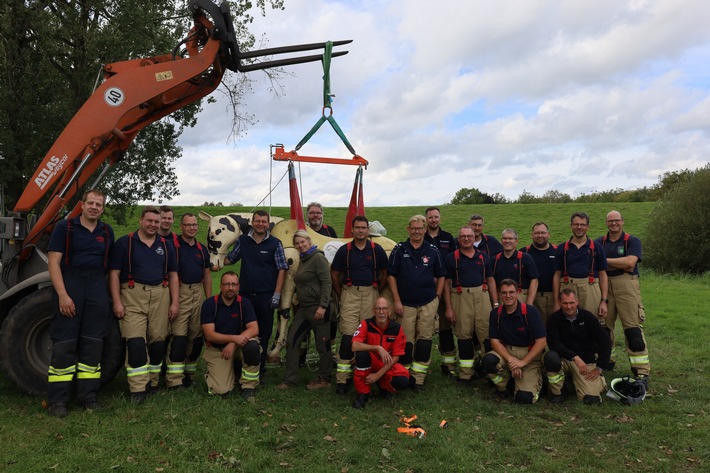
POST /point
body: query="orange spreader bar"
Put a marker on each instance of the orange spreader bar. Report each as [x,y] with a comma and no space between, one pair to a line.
[282,155]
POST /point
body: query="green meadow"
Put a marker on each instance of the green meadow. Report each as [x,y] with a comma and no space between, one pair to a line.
[302,431]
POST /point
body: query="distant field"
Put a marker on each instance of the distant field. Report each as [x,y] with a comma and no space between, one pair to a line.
[497,217]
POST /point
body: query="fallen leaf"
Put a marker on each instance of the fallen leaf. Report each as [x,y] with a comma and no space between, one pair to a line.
[329,438]
[671,390]
[385,453]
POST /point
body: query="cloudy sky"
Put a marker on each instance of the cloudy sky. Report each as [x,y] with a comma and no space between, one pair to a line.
[577,96]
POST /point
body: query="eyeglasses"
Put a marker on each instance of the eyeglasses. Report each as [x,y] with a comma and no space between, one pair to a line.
[580,225]
[416,229]
[381,309]
[613,221]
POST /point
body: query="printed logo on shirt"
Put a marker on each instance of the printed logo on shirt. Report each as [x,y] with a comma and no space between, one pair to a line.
[159,251]
[100,239]
[234,316]
[391,339]
[620,250]
[425,259]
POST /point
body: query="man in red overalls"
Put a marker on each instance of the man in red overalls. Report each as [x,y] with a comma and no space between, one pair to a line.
[378,343]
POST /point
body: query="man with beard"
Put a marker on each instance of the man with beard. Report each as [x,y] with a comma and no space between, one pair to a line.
[314,212]
[543,254]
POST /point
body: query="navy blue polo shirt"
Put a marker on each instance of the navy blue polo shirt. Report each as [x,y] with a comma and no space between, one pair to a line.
[227,319]
[579,260]
[620,248]
[444,242]
[326,231]
[192,260]
[521,270]
[512,329]
[546,264]
[472,271]
[148,263]
[416,271]
[87,249]
[490,245]
[261,263]
[361,266]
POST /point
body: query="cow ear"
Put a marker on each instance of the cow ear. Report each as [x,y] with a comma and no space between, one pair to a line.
[204,216]
[242,222]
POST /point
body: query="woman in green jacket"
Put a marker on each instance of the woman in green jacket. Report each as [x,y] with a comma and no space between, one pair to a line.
[313,286]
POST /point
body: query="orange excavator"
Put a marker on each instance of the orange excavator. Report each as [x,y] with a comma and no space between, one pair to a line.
[133,94]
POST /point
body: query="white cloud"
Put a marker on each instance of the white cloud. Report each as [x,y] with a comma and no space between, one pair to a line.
[503,96]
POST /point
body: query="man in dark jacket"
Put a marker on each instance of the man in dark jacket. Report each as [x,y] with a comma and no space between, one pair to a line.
[580,347]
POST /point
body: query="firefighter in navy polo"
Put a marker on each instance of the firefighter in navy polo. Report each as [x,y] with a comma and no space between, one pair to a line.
[263,273]
[517,337]
[359,273]
[416,278]
[581,265]
[314,212]
[77,259]
[378,344]
[544,255]
[145,289]
[468,292]
[167,218]
[231,332]
[623,253]
[516,265]
[445,243]
[485,243]
[195,285]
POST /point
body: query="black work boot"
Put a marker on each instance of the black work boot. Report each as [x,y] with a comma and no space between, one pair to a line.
[361,401]
[58,409]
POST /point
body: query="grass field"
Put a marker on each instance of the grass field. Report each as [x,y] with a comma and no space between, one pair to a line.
[300,431]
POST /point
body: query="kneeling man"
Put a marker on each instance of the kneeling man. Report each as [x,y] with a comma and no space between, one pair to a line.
[231,333]
[580,347]
[518,339]
[378,343]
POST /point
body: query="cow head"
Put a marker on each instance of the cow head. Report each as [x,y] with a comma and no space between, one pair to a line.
[222,232]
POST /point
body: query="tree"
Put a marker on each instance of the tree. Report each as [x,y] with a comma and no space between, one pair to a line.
[557,197]
[526,197]
[678,231]
[51,52]
[471,196]
[669,181]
